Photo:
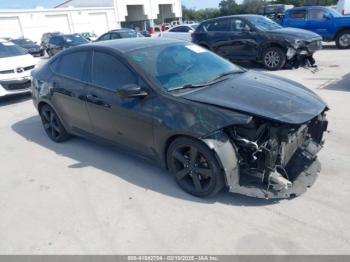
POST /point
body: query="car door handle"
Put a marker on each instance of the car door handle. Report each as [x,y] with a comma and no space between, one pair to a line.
[96,100]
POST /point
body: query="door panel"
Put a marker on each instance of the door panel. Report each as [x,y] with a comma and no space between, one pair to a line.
[70,86]
[243,41]
[127,121]
[318,23]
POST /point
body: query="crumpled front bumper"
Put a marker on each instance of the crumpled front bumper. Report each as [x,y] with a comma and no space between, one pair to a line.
[304,166]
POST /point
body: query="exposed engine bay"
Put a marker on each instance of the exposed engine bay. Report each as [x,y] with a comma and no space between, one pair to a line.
[275,160]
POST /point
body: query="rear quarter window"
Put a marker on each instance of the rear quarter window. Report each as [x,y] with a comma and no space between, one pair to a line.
[73,65]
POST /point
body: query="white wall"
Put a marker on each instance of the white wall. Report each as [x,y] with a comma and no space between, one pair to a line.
[151,7]
[32,23]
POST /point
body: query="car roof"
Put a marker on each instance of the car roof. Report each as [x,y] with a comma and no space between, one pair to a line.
[230,16]
[131,44]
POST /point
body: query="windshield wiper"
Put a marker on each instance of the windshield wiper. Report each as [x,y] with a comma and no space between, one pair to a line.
[215,80]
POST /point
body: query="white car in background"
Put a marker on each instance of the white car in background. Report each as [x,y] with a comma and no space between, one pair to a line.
[343,7]
[182,32]
[16,65]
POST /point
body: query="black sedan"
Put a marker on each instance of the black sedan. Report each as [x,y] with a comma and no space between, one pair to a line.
[58,43]
[257,38]
[32,47]
[210,122]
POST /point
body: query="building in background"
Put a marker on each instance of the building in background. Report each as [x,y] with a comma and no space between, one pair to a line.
[98,16]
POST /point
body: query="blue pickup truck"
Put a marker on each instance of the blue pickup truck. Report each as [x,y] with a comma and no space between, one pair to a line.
[326,22]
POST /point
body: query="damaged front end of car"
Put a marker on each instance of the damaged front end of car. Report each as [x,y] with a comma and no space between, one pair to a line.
[268,159]
[300,53]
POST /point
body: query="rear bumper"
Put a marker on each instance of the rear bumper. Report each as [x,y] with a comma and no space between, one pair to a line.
[15,86]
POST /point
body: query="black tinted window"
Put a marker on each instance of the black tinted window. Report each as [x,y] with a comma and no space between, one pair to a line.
[104,37]
[239,25]
[316,14]
[56,40]
[114,36]
[108,72]
[219,26]
[73,65]
[297,14]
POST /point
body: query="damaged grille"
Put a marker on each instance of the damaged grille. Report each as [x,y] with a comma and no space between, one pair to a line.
[273,155]
[314,46]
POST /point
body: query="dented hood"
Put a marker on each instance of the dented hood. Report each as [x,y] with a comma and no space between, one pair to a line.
[263,95]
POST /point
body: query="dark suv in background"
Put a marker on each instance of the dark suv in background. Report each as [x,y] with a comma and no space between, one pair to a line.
[59,42]
[257,38]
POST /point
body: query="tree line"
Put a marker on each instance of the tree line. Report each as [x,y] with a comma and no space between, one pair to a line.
[230,7]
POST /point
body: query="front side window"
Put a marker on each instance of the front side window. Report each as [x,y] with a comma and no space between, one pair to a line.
[114,36]
[73,65]
[297,14]
[105,37]
[178,65]
[108,72]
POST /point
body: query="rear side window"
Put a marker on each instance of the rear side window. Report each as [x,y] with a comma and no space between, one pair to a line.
[73,65]
[222,25]
[110,73]
[105,37]
[297,14]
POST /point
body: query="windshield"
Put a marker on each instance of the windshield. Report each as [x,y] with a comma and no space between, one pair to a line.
[8,49]
[180,65]
[263,23]
[78,39]
[128,34]
[23,41]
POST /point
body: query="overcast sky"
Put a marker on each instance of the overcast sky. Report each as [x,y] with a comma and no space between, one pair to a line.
[51,3]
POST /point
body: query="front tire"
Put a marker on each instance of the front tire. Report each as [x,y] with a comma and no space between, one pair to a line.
[52,125]
[343,40]
[274,58]
[195,167]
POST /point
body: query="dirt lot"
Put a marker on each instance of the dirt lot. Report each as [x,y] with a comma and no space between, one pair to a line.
[84,198]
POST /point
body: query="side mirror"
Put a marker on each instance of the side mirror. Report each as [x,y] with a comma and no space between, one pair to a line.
[191,31]
[327,16]
[247,30]
[131,90]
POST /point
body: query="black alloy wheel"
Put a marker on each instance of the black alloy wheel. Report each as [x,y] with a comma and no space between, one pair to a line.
[52,125]
[274,58]
[195,167]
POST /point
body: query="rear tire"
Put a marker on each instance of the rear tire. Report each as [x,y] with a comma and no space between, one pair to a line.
[195,167]
[274,58]
[343,40]
[52,125]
